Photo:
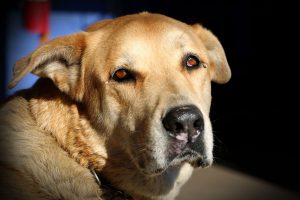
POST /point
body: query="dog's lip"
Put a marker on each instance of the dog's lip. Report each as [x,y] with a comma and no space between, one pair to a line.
[192,157]
[186,156]
[196,163]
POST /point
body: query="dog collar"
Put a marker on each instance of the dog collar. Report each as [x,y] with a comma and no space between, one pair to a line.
[109,192]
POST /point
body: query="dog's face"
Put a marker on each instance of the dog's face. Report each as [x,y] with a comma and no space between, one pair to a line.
[145,83]
[155,76]
[156,90]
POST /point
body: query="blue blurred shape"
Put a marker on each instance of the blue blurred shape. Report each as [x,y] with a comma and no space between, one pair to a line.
[20,42]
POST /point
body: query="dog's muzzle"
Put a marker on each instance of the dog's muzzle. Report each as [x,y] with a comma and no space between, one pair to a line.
[185,126]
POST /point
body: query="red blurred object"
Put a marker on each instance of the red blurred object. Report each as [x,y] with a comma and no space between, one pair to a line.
[37,17]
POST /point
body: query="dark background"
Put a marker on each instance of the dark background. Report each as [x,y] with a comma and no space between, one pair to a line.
[254,115]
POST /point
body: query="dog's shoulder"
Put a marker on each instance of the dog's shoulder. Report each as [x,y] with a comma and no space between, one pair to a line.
[32,162]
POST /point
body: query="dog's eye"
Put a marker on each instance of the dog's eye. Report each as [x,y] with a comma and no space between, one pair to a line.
[122,75]
[192,62]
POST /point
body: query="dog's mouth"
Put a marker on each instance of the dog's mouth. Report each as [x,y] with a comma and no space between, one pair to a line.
[187,156]
[192,157]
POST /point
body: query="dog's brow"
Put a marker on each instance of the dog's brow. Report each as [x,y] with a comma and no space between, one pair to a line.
[126,59]
[180,40]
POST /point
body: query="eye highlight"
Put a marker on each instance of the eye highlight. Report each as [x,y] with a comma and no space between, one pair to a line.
[123,75]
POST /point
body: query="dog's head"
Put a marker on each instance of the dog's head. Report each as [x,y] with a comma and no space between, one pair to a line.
[145,81]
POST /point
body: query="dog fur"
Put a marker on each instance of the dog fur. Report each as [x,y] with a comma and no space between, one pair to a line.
[76,118]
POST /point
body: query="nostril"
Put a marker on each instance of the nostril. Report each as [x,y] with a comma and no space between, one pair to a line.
[198,124]
[179,127]
[173,127]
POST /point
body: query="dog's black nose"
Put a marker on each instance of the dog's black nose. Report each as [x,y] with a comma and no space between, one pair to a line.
[184,123]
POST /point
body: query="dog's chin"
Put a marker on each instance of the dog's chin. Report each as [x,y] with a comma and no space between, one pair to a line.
[187,156]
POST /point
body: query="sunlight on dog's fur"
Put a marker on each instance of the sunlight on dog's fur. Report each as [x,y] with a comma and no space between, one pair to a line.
[128,99]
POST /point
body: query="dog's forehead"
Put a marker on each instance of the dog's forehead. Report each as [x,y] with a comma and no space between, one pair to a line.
[146,40]
[147,27]
[154,34]
[145,18]
[155,28]
[151,40]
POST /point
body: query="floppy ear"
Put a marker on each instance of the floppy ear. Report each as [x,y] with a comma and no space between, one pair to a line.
[220,71]
[59,60]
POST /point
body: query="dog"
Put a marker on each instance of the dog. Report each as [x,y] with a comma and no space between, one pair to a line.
[120,110]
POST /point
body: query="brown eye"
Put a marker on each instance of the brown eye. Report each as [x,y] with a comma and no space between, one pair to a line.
[192,62]
[122,75]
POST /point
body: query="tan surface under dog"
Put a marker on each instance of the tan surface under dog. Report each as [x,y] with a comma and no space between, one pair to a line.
[221,183]
[100,105]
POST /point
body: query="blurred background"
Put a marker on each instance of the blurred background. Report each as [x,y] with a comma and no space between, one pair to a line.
[256,132]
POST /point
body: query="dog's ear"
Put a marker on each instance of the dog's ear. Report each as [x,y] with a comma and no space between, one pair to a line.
[220,71]
[59,60]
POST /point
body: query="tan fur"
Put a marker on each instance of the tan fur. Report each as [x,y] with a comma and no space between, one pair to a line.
[76,118]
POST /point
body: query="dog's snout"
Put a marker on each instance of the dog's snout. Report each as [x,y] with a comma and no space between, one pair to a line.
[184,123]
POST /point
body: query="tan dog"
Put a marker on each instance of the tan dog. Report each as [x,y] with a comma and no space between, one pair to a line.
[129,100]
